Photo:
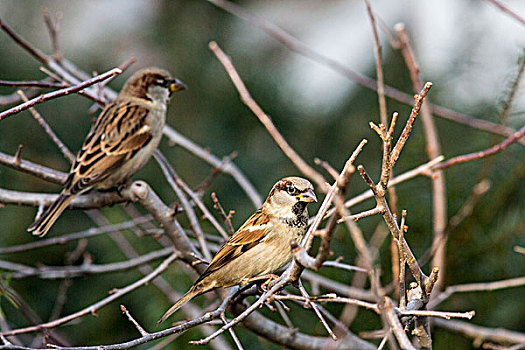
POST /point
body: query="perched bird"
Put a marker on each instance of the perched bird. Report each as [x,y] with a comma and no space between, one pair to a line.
[262,244]
[121,141]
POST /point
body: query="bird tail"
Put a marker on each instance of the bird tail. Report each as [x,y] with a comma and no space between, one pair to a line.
[44,223]
[193,292]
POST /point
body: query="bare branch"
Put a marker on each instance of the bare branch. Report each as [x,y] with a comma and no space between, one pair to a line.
[37,170]
[476,287]
[379,66]
[74,236]
[227,219]
[96,306]
[333,298]
[63,148]
[19,271]
[390,315]
[247,99]
[301,48]
[202,207]
[408,126]
[317,312]
[433,149]
[133,321]
[171,176]
[226,167]
[34,83]
[88,201]
[481,154]
[443,314]
[59,93]
[53,28]
[423,169]
[505,9]
[480,333]
[24,43]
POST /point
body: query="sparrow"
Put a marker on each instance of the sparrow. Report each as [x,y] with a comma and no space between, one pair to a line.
[123,138]
[261,246]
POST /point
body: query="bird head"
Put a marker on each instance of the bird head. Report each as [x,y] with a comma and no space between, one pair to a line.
[290,196]
[153,84]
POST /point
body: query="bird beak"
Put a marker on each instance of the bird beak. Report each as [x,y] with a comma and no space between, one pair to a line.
[308,196]
[176,85]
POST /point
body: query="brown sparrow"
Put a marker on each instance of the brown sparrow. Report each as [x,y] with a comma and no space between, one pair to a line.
[262,245]
[124,137]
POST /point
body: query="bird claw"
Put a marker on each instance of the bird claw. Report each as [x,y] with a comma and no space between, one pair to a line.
[264,286]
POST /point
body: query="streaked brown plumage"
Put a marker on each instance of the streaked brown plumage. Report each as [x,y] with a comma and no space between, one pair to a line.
[262,244]
[121,141]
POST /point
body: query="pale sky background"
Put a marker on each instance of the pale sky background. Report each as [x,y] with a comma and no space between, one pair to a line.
[441,31]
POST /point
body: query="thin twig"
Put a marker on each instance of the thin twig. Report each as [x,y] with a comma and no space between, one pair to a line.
[232,333]
[61,146]
[202,207]
[34,169]
[379,65]
[171,177]
[74,236]
[408,126]
[132,320]
[402,262]
[227,218]
[480,333]
[333,298]
[505,9]
[34,83]
[301,48]
[342,266]
[481,154]
[443,314]
[227,167]
[423,169]
[92,309]
[59,93]
[433,149]
[476,287]
[314,307]
[19,271]
[247,99]
[53,28]
[363,214]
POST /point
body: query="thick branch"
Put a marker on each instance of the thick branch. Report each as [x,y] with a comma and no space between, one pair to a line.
[293,339]
[31,168]
[90,200]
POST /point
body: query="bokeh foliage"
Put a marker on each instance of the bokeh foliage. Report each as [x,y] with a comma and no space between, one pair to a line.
[210,113]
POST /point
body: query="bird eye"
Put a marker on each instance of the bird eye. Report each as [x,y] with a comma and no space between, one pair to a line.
[291,189]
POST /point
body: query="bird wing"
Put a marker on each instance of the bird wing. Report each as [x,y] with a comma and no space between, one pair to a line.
[119,132]
[251,233]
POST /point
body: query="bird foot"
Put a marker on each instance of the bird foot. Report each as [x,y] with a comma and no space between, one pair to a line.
[267,277]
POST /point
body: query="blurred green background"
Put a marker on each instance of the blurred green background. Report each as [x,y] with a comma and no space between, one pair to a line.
[468,49]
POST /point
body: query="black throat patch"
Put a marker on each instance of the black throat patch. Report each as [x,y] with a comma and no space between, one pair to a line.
[300,215]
